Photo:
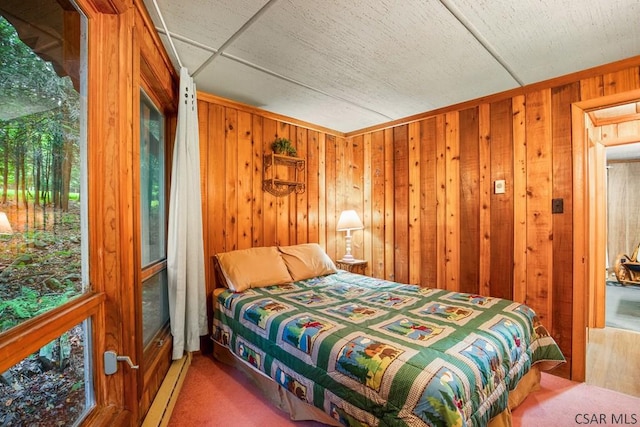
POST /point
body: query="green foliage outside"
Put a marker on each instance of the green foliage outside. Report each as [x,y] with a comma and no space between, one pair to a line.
[39,182]
[30,304]
[39,126]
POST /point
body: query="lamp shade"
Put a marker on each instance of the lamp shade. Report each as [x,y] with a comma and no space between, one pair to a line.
[349,220]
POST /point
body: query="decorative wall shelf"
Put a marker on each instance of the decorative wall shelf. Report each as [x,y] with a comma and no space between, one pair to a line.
[282,175]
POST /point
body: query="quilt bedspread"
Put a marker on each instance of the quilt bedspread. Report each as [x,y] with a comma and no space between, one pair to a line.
[378,353]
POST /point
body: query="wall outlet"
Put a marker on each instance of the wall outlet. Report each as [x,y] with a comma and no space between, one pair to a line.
[499,186]
[557,206]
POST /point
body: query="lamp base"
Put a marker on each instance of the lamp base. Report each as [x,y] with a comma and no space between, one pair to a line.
[348,258]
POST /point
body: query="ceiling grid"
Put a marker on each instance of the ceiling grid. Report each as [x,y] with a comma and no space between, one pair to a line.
[351,64]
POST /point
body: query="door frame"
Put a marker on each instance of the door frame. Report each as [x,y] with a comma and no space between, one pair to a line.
[589,232]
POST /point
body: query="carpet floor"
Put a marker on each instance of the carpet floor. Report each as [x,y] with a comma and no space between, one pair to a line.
[214,394]
[622,307]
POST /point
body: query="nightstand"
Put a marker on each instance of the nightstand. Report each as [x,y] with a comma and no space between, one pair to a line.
[356,266]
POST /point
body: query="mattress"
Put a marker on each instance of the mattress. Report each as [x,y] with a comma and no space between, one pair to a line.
[367,351]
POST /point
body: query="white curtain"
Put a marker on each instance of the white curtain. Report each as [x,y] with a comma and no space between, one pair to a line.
[185,257]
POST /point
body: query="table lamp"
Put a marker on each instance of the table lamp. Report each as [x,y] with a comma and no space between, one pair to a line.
[349,220]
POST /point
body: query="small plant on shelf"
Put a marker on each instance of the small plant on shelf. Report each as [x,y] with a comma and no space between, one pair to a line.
[283,146]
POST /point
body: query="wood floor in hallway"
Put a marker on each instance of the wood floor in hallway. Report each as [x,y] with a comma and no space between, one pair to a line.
[613,360]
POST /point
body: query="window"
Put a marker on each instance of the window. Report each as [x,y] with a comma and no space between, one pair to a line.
[155,305]
[43,231]
[40,209]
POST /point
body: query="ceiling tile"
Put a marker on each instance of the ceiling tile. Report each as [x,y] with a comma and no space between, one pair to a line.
[348,64]
[542,39]
[207,22]
[394,60]
[272,94]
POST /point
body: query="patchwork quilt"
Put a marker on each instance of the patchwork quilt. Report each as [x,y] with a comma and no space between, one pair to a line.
[371,352]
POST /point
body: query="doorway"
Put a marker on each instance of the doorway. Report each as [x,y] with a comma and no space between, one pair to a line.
[594,129]
[623,236]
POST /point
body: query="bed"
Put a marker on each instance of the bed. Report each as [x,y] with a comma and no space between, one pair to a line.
[348,349]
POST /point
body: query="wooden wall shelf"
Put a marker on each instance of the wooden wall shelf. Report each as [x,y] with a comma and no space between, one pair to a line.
[282,175]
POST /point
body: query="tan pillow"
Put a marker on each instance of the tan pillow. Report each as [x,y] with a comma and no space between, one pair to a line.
[253,268]
[307,260]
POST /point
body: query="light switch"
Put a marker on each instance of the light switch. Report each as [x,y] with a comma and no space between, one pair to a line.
[499,186]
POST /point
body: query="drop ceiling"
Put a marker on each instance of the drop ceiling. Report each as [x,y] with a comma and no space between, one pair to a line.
[350,64]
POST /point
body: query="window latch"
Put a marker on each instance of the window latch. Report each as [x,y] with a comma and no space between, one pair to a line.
[111,360]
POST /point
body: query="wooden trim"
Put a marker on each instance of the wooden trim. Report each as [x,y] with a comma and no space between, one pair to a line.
[153,269]
[599,239]
[22,340]
[159,49]
[160,412]
[581,219]
[207,97]
[580,245]
[545,84]
[108,416]
[609,100]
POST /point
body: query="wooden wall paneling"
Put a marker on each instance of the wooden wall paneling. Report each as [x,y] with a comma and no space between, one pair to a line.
[245,181]
[562,188]
[441,197]
[205,185]
[401,203]
[108,110]
[539,222]
[621,81]
[470,190]
[322,191]
[301,200]
[389,212]
[428,202]
[414,216]
[216,175]
[377,227]
[257,145]
[283,208]
[591,87]
[331,167]
[355,190]
[231,179]
[502,204]
[368,194]
[519,198]
[485,190]
[627,131]
[269,201]
[312,178]
[452,201]
[292,198]
[623,228]
[342,179]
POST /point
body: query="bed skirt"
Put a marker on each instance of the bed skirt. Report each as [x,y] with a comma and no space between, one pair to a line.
[299,410]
